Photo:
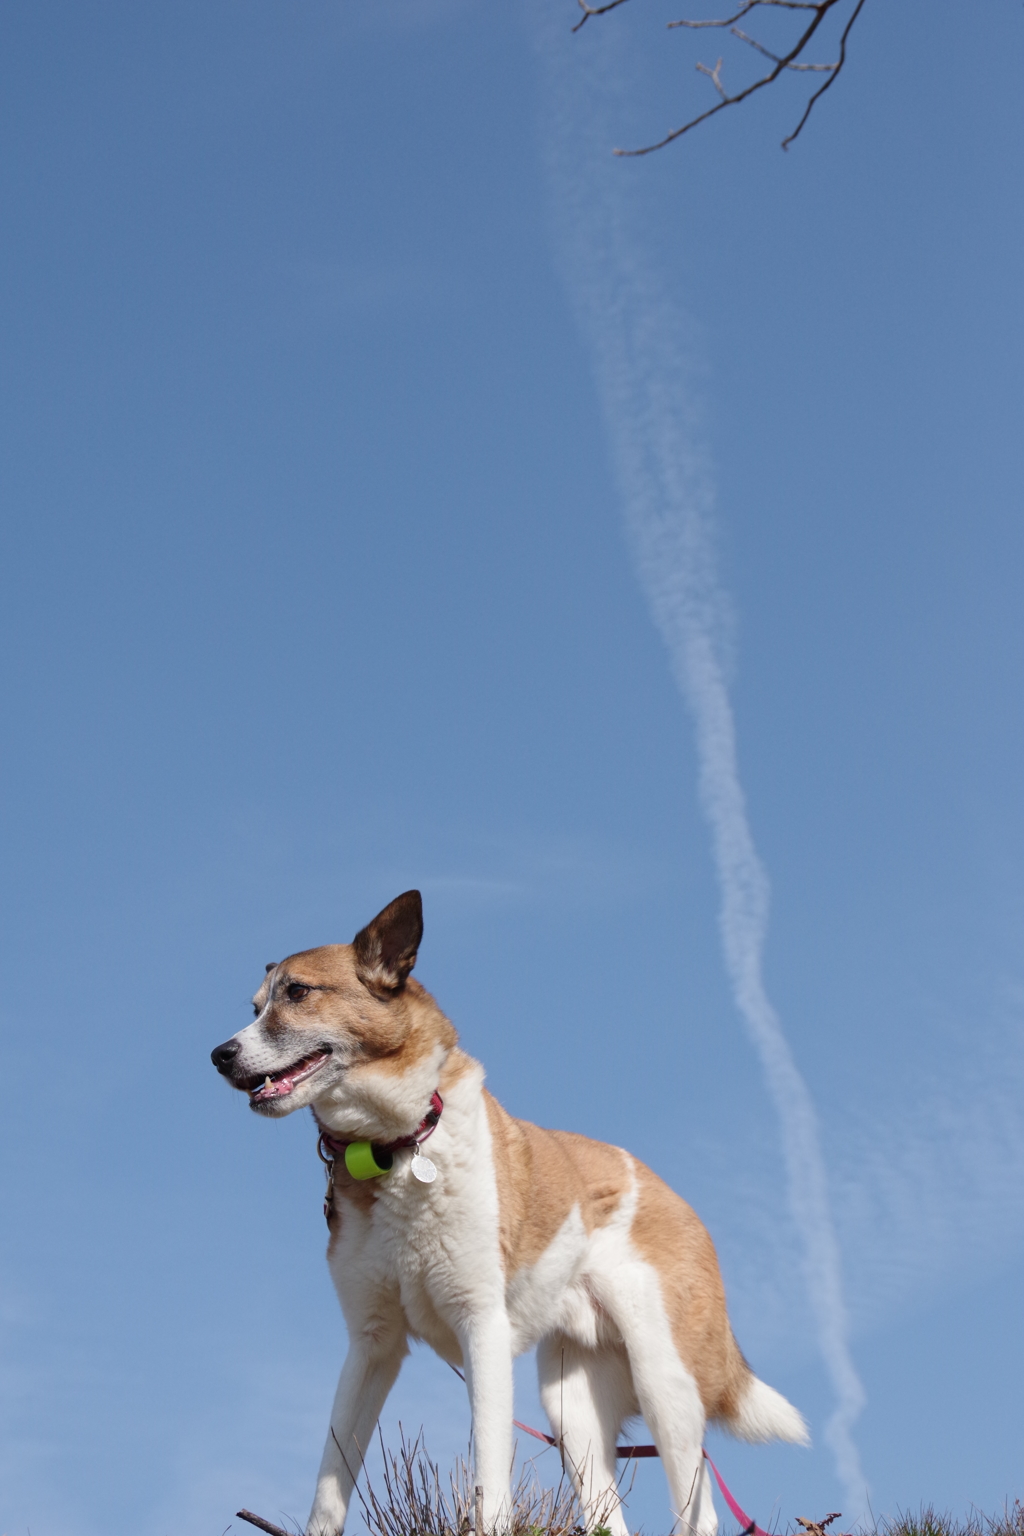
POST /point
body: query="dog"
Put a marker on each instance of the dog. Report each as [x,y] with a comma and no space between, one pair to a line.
[486,1236]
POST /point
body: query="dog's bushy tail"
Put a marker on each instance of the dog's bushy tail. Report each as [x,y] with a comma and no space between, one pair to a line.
[761,1413]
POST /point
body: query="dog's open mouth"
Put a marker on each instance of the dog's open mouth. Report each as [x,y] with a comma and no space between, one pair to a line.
[277,1085]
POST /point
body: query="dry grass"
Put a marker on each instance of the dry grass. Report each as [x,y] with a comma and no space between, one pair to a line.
[413,1499]
[927,1523]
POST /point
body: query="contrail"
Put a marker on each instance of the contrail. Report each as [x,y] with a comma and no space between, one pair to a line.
[640,353]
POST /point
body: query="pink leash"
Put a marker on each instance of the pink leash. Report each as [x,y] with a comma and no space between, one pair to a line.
[750,1527]
[634,1452]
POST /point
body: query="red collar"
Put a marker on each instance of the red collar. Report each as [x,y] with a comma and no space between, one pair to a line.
[426,1127]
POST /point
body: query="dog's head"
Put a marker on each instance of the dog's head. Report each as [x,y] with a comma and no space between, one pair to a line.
[339,1025]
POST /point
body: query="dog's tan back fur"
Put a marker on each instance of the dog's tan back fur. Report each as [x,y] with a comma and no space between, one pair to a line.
[543,1175]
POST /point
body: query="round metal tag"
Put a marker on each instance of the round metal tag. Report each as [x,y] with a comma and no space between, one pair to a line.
[423,1169]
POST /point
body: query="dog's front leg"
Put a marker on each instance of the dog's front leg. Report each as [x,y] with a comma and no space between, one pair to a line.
[487,1349]
[367,1377]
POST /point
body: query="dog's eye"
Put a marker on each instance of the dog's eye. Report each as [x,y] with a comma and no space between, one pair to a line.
[296,992]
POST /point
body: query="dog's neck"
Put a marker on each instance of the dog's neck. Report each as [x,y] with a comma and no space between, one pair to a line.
[336,1147]
[385,1101]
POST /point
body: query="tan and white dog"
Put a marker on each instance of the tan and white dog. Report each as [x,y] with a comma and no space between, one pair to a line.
[523,1239]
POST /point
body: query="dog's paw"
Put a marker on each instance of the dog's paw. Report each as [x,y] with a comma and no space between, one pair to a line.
[327,1517]
[321,1525]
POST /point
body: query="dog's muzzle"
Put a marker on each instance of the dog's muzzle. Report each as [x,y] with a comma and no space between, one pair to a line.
[223,1056]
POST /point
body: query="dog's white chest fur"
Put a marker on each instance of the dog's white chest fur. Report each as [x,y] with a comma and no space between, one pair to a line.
[433,1247]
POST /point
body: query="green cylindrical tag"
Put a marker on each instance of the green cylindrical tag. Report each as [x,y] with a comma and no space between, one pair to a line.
[364,1161]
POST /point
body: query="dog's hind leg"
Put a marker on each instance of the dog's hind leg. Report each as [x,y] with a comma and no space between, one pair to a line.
[375,1355]
[667,1392]
[674,1414]
[587,1394]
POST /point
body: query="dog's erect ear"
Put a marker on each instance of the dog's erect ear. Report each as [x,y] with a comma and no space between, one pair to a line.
[386,948]
[270,965]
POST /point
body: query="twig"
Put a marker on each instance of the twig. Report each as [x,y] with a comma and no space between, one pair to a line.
[595,10]
[264,1525]
[745,38]
[824,87]
[714,75]
[744,10]
[818,1527]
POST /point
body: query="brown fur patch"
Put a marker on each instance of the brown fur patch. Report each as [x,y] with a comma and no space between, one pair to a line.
[541,1175]
[422,1024]
[671,1237]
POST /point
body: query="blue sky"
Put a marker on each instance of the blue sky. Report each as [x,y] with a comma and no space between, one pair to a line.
[321,579]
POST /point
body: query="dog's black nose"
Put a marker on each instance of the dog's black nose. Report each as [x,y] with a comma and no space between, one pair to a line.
[223,1055]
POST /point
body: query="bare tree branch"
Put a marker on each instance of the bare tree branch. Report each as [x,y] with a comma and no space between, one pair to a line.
[744,37]
[714,76]
[263,1525]
[826,83]
[594,10]
[744,10]
[815,12]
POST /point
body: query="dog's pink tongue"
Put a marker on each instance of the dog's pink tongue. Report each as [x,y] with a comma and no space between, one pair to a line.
[276,1089]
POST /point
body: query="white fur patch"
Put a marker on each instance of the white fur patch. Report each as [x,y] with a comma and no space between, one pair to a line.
[764,1414]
